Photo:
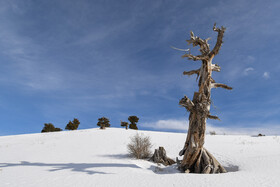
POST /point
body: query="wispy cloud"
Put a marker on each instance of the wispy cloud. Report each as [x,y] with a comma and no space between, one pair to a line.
[169,124]
[250,59]
[182,125]
[247,70]
[27,65]
[101,59]
[266,75]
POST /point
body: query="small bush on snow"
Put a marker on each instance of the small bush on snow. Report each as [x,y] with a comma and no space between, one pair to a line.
[73,125]
[49,127]
[212,133]
[139,146]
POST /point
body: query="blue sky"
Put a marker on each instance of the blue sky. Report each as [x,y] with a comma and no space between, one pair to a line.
[62,59]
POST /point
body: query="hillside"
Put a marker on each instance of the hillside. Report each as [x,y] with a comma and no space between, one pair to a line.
[96,157]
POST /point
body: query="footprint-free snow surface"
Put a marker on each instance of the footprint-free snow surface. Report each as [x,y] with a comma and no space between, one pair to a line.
[96,157]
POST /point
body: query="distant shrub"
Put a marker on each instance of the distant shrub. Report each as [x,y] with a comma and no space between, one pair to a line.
[73,125]
[124,124]
[212,133]
[57,129]
[139,146]
[103,122]
[49,127]
[133,120]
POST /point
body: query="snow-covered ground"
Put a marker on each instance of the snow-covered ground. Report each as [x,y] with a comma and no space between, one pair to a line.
[96,157]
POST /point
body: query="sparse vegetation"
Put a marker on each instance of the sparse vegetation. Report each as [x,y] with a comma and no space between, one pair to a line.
[139,146]
[212,133]
[133,120]
[103,123]
[73,125]
[124,124]
[49,127]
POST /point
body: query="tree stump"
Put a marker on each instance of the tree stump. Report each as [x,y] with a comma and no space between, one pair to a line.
[159,156]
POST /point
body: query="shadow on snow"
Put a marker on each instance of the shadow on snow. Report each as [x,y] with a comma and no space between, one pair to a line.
[231,168]
[117,156]
[76,167]
[160,169]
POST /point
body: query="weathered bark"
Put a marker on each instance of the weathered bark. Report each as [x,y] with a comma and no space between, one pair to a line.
[159,156]
[196,158]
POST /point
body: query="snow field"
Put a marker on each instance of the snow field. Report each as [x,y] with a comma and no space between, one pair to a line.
[96,157]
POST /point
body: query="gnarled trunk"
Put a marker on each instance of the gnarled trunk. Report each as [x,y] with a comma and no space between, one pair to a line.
[196,158]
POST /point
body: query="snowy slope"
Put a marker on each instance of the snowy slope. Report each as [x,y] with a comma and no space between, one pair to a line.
[99,158]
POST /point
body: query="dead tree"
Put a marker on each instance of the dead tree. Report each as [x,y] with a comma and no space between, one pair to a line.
[196,158]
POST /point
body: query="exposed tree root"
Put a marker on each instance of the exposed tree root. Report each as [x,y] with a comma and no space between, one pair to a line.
[206,163]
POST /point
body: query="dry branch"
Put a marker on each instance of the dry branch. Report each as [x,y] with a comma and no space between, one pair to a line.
[215,67]
[219,42]
[195,41]
[213,117]
[179,49]
[195,58]
[220,85]
[192,72]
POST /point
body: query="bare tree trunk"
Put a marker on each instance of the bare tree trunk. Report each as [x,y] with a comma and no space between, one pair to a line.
[196,158]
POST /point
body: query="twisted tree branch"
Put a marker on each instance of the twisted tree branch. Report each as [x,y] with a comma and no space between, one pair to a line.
[195,41]
[220,85]
[213,117]
[195,58]
[215,67]
[219,42]
[197,71]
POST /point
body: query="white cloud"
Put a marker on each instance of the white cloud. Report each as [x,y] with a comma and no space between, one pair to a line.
[266,75]
[170,124]
[182,125]
[247,70]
